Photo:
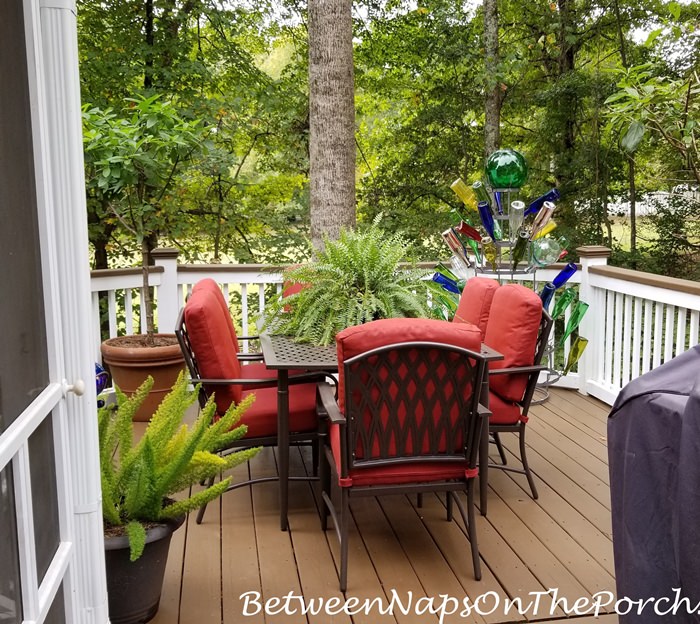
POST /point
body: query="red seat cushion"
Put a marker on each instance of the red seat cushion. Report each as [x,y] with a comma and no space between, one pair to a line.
[413,472]
[210,285]
[475,302]
[514,322]
[361,338]
[211,341]
[261,416]
[503,412]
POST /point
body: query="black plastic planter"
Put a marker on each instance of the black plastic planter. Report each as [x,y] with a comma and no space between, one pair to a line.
[134,587]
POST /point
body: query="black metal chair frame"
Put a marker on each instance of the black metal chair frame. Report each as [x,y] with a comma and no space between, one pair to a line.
[461,434]
[533,374]
[304,438]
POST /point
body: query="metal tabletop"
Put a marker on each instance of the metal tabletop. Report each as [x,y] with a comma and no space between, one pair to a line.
[281,352]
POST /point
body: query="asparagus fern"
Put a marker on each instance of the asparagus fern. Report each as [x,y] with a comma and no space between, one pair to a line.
[139,478]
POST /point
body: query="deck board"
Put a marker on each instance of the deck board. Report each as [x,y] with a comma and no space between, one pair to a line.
[562,540]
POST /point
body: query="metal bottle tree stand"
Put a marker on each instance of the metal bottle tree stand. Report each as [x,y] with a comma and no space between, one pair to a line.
[501,240]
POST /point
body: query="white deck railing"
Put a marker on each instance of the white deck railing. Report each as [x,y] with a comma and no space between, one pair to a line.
[635,322]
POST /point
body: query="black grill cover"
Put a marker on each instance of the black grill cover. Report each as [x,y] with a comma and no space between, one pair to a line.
[654,455]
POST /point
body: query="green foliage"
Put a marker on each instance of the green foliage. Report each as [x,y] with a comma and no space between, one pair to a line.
[667,107]
[139,478]
[354,280]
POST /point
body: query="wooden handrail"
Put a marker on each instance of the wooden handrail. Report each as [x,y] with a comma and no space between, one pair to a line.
[648,279]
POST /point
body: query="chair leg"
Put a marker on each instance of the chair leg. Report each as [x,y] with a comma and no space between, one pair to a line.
[523,458]
[499,446]
[344,521]
[419,500]
[450,501]
[471,522]
[203,508]
[325,483]
[315,456]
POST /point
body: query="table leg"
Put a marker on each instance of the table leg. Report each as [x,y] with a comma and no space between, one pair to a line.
[484,448]
[283,442]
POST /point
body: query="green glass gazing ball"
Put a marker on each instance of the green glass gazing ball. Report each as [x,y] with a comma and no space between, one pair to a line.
[506,168]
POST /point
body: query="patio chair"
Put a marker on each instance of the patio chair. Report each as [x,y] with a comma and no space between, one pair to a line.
[212,359]
[475,302]
[253,366]
[407,418]
[518,328]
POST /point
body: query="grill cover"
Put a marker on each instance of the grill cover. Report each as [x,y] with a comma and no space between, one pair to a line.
[654,455]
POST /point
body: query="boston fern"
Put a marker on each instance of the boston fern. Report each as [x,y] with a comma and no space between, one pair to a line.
[139,478]
[355,279]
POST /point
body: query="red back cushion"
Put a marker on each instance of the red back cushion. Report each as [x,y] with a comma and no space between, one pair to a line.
[210,285]
[361,338]
[393,400]
[475,302]
[514,322]
[211,342]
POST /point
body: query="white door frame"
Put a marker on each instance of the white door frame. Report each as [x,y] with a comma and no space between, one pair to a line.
[78,563]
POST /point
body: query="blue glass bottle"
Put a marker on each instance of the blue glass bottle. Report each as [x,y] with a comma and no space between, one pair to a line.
[446,283]
[546,294]
[534,207]
[486,218]
[563,276]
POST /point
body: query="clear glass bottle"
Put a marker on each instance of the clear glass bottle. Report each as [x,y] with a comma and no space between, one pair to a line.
[516,214]
[542,218]
[546,251]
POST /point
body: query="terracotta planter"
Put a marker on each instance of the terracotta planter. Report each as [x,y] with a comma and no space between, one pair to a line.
[129,365]
[134,587]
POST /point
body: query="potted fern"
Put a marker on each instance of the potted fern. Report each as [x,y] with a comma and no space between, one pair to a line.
[355,279]
[145,487]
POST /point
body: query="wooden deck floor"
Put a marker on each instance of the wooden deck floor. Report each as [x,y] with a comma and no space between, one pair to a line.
[561,542]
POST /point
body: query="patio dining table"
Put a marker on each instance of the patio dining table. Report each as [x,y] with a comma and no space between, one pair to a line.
[282,353]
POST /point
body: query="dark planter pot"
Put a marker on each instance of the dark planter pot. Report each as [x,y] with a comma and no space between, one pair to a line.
[134,587]
[130,365]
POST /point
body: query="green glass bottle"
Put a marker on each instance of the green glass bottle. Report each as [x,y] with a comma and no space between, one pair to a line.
[482,195]
[520,248]
[574,320]
[563,301]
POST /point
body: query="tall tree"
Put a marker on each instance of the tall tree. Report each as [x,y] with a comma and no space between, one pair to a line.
[492,122]
[331,119]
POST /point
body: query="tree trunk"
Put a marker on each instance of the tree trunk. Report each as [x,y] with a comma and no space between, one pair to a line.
[147,303]
[331,119]
[492,125]
[631,170]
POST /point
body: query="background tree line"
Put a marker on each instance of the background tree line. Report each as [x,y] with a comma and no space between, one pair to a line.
[600,95]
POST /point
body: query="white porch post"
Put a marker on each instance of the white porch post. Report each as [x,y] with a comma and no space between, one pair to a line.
[591,361]
[57,129]
[168,292]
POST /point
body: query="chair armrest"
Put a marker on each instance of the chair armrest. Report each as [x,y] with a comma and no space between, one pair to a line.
[515,370]
[265,383]
[326,399]
[483,411]
[249,357]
